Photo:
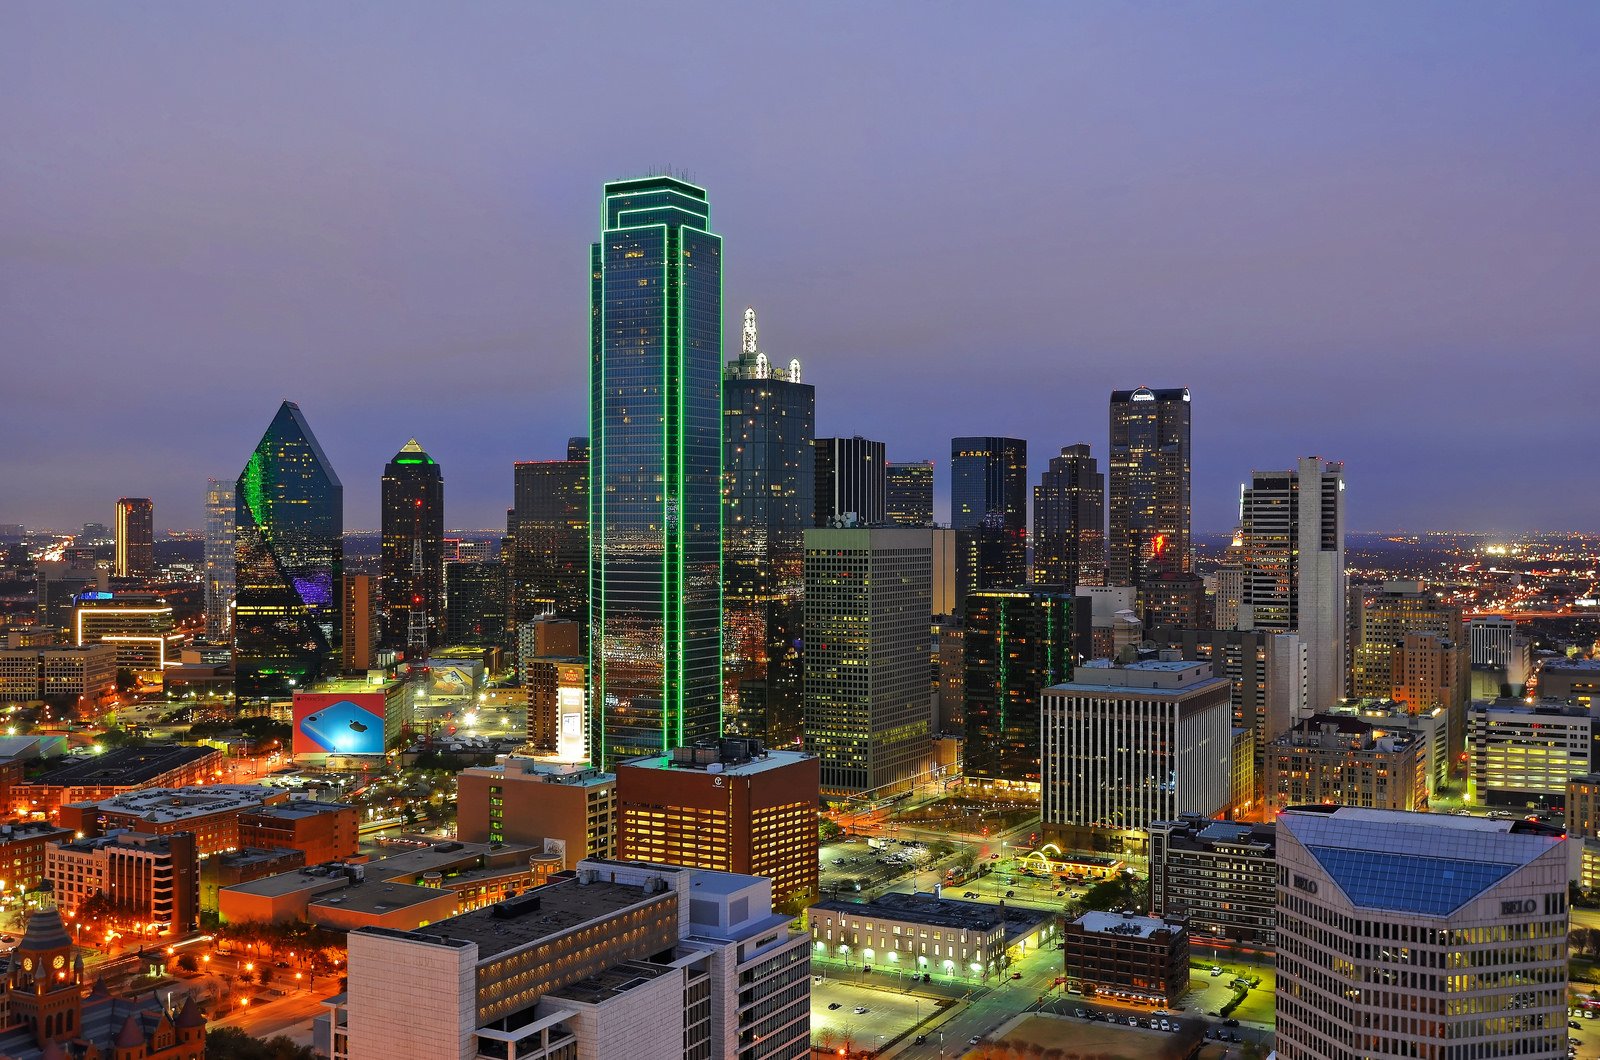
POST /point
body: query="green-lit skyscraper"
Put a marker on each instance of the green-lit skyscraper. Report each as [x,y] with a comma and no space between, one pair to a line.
[655,393]
[289,555]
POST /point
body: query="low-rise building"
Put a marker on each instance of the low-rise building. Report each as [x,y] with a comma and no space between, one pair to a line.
[211,813]
[1337,759]
[22,854]
[1144,959]
[91,778]
[242,866]
[322,831]
[1429,726]
[146,879]
[1526,753]
[1574,680]
[525,800]
[57,672]
[614,960]
[1221,876]
[140,626]
[926,934]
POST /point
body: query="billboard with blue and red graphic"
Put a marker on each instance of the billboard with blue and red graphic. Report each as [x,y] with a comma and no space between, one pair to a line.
[338,724]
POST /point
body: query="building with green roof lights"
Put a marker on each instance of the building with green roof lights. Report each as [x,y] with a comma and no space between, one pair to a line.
[655,507]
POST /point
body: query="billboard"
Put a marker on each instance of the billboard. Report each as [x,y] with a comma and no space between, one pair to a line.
[454,677]
[340,724]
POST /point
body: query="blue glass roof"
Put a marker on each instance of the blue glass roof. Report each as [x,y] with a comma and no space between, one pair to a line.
[1407,882]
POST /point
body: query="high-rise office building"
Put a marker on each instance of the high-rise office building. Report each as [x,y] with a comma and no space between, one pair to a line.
[475,602]
[289,559]
[731,805]
[136,538]
[1291,528]
[93,534]
[850,481]
[768,420]
[1125,745]
[908,492]
[1149,508]
[655,510]
[1411,934]
[219,559]
[1069,521]
[867,628]
[1017,644]
[358,628]
[548,527]
[411,551]
[1392,661]
[989,513]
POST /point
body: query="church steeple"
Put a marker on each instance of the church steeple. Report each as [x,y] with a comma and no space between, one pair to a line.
[44,986]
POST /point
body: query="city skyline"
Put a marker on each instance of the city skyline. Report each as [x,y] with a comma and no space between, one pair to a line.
[1337,271]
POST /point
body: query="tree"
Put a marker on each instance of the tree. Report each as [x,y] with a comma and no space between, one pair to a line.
[230,1043]
[188,962]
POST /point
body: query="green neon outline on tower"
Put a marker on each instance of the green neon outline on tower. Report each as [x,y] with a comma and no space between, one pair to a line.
[656,471]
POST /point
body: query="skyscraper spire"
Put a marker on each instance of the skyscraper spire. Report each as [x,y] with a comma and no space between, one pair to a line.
[749,347]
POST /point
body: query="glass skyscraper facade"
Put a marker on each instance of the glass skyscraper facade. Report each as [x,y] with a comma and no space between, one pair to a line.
[769,419]
[219,559]
[908,493]
[412,551]
[1069,521]
[655,508]
[289,561]
[1017,644]
[1150,508]
[136,538]
[989,512]
[548,539]
[850,480]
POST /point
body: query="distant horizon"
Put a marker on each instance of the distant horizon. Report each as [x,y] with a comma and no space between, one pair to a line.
[1354,230]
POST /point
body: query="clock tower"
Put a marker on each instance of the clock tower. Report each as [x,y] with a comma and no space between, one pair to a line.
[44,989]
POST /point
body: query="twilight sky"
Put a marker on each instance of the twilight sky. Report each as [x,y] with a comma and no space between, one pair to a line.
[1363,230]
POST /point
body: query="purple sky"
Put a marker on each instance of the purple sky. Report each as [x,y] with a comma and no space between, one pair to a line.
[1366,231]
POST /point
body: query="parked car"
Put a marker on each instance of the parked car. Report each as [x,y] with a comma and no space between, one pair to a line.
[861,1010]
[833,1006]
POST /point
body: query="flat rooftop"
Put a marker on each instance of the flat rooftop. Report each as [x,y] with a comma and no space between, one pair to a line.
[1133,927]
[607,984]
[1573,665]
[124,767]
[300,809]
[1151,677]
[377,897]
[554,909]
[168,805]
[762,764]
[539,771]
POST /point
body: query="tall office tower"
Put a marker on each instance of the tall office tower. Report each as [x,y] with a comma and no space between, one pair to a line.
[358,630]
[1069,521]
[219,559]
[989,513]
[475,602]
[288,560]
[1418,934]
[850,481]
[136,538]
[1291,528]
[908,493]
[1501,658]
[731,805]
[768,420]
[655,510]
[1149,506]
[1125,745]
[868,619]
[578,448]
[1384,668]
[1017,645]
[548,527]
[94,534]
[411,551]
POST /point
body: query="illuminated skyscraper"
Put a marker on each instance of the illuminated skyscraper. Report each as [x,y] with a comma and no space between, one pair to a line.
[1150,511]
[289,559]
[548,527]
[412,561]
[989,512]
[909,493]
[768,421]
[1291,527]
[1069,521]
[655,509]
[850,480]
[1017,644]
[219,559]
[136,538]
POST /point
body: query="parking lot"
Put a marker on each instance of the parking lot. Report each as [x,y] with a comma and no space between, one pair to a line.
[889,1013]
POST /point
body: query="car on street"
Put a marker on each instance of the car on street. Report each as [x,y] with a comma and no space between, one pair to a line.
[833,1005]
[861,1010]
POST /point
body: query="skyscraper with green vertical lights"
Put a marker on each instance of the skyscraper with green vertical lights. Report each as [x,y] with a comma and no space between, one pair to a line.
[655,506]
